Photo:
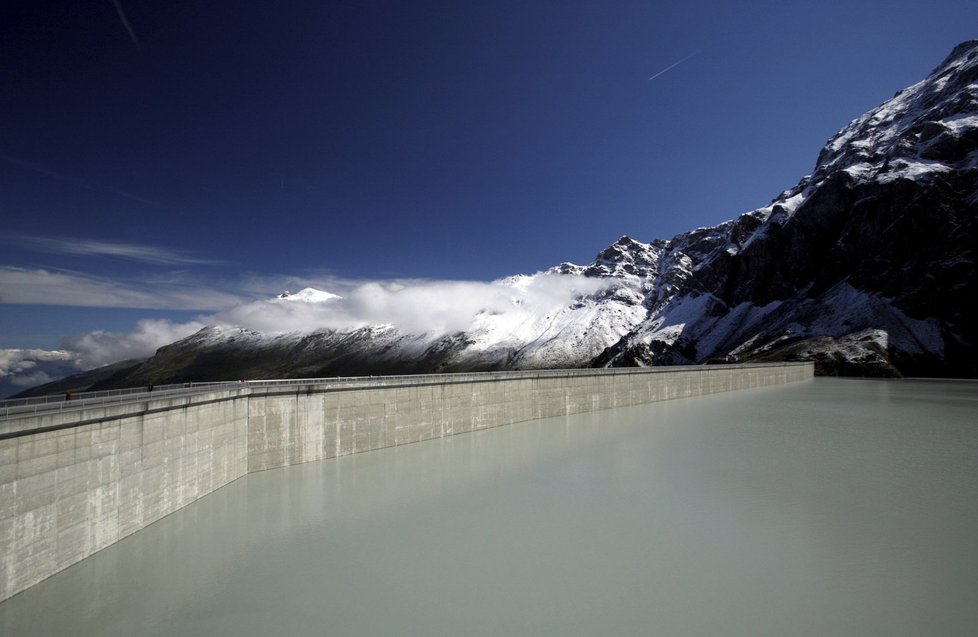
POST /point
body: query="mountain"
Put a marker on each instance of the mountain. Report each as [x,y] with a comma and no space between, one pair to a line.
[867,262]
[866,266]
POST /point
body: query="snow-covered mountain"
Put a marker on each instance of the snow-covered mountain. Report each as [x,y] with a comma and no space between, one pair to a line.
[866,266]
[868,262]
[528,324]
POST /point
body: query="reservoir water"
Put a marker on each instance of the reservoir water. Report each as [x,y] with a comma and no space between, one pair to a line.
[828,507]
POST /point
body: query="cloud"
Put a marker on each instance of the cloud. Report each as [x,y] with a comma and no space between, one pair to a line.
[19,361]
[32,380]
[87,247]
[22,368]
[62,287]
[100,347]
[414,306]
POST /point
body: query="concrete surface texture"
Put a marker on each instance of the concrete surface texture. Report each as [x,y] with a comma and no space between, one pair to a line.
[76,481]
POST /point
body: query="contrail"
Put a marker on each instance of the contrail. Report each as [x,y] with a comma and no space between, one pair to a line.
[125,23]
[673,65]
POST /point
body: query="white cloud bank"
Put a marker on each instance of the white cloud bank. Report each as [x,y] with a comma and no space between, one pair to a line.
[23,362]
[413,306]
[101,348]
[23,368]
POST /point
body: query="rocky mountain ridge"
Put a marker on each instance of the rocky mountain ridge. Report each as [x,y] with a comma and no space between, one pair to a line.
[878,242]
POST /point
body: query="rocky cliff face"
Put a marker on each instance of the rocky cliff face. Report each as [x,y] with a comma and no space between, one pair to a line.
[875,250]
[866,266]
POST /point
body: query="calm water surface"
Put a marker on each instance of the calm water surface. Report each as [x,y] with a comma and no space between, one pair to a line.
[830,507]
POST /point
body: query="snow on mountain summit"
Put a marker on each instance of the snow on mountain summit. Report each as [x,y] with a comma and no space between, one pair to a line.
[925,129]
[307,295]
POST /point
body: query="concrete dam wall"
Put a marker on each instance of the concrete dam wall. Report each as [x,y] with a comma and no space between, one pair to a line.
[75,480]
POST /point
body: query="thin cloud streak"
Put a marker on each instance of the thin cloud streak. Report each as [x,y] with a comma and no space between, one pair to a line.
[674,65]
[85,247]
[21,286]
[75,181]
[125,23]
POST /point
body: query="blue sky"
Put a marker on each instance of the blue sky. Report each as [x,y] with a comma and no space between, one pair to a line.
[167,160]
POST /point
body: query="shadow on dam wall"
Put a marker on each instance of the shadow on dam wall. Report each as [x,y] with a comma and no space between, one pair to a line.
[77,480]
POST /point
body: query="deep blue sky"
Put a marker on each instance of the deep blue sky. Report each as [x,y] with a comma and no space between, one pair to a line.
[212,150]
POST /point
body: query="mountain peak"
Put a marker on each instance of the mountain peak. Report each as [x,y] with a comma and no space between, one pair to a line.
[626,256]
[961,53]
[306,295]
[925,130]
[625,240]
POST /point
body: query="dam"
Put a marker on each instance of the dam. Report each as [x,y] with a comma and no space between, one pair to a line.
[77,476]
[828,507]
